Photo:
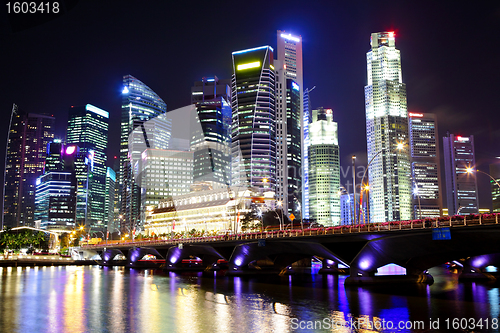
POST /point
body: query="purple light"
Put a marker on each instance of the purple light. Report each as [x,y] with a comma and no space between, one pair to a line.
[364,264]
[478,262]
[70,150]
[174,259]
[329,262]
[238,261]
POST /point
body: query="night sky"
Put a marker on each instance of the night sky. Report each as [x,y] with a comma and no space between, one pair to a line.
[449,49]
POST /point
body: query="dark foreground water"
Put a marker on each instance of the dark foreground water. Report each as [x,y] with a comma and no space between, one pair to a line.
[94,299]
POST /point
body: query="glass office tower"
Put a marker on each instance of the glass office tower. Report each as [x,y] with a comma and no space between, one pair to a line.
[140,104]
[211,140]
[289,118]
[29,135]
[425,165]
[88,129]
[253,130]
[386,127]
[461,187]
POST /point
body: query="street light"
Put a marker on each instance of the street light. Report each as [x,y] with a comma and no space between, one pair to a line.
[470,170]
[399,146]
[279,203]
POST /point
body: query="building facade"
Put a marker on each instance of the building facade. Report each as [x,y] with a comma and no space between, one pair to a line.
[289,115]
[211,140]
[166,174]
[425,165]
[461,187]
[324,169]
[88,129]
[55,197]
[253,129]
[109,204]
[140,104]
[29,135]
[386,128]
[495,189]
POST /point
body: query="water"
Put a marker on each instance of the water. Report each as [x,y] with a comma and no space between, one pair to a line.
[94,299]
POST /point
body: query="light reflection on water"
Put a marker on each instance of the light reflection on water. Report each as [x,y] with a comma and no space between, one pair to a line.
[84,299]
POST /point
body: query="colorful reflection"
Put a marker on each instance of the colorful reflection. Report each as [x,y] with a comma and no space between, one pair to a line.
[94,299]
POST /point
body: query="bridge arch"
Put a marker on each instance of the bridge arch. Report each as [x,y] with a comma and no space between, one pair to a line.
[282,253]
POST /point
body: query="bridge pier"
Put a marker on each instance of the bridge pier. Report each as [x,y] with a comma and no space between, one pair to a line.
[474,268]
[332,267]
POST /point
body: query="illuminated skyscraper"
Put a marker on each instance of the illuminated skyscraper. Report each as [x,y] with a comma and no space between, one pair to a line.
[253,130]
[461,187]
[324,169]
[55,197]
[386,126]
[495,190]
[88,129]
[29,135]
[425,165]
[289,137]
[140,104]
[109,204]
[211,140]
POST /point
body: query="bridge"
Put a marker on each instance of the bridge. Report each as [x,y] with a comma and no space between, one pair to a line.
[414,246]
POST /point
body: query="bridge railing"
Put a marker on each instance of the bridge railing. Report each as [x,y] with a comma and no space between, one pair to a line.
[452,221]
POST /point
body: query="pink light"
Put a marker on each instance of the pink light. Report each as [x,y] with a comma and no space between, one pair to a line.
[70,150]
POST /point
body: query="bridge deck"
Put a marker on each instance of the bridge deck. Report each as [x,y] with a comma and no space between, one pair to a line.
[452,222]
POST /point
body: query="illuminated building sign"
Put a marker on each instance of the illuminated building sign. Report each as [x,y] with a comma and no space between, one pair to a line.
[412,114]
[290,37]
[295,86]
[96,110]
[125,90]
[254,49]
[462,139]
[247,66]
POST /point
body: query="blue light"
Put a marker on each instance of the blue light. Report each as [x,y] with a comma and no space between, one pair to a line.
[254,49]
[210,80]
[295,86]
[38,181]
[125,90]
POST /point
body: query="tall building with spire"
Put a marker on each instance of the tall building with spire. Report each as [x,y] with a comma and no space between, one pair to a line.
[88,129]
[29,135]
[140,104]
[253,130]
[289,115]
[386,127]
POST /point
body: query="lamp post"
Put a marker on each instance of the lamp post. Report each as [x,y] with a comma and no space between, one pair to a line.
[354,185]
[279,203]
[470,170]
[399,146]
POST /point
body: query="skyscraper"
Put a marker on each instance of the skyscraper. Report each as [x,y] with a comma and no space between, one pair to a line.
[55,197]
[461,187]
[211,140]
[29,134]
[289,115]
[88,129]
[324,169]
[386,127]
[425,165]
[139,105]
[109,204]
[253,130]
[495,190]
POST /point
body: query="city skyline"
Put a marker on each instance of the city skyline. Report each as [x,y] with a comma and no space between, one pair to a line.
[409,39]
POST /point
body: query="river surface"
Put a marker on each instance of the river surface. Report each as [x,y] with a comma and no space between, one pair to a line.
[95,299]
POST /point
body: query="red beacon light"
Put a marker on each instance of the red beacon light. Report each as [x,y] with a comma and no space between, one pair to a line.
[391,34]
